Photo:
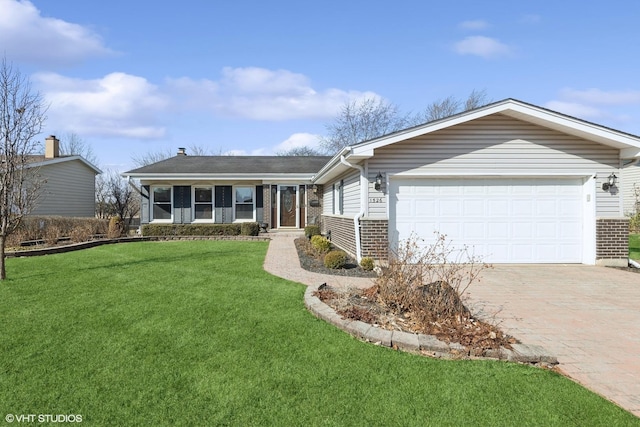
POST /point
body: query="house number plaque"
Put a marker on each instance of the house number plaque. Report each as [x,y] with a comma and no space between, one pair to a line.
[375,199]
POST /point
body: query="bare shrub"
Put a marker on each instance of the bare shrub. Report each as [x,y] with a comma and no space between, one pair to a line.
[81,233]
[52,234]
[429,282]
[115,227]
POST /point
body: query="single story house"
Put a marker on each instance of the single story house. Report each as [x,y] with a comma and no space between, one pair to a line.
[514,182]
[68,183]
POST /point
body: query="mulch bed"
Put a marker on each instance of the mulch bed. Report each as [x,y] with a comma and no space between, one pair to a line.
[363,305]
[357,304]
[311,261]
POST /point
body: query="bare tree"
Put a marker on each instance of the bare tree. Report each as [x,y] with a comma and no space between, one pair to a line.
[115,197]
[73,145]
[300,151]
[451,105]
[157,156]
[151,157]
[360,121]
[22,117]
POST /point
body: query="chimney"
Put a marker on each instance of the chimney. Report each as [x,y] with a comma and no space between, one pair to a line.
[182,151]
[51,147]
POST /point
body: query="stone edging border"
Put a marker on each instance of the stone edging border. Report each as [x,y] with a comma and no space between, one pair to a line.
[99,242]
[419,343]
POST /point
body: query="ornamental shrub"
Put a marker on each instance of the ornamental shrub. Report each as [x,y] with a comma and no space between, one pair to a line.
[320,243]
[250,229]
[367,263]
[191,229]
[311,230]
[335,259]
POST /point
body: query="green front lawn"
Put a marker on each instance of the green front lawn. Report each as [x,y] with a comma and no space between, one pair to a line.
[196,333]
[634,246]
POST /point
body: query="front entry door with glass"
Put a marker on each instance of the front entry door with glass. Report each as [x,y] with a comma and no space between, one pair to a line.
[288,206]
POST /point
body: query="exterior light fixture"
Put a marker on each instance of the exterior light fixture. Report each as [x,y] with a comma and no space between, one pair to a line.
[379,181]
[315,189]
[611,182]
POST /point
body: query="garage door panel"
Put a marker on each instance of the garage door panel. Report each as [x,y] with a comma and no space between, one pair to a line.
[424,208]
[503,220]
[521,208]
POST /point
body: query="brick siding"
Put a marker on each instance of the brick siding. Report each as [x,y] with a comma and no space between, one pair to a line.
[612,241]
[374,238]
[314,213]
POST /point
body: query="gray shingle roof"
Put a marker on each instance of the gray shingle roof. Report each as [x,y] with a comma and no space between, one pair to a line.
[234,164]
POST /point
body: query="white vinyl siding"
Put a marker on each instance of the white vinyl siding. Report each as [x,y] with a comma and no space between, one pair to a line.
[69,190]
[351,194]
[327,199]
[630,176]
[499,145]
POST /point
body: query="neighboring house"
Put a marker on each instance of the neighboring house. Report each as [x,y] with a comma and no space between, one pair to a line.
[514,182]
[68,183]
[630,184]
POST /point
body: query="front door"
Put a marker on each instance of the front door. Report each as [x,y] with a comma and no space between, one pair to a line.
[287,206]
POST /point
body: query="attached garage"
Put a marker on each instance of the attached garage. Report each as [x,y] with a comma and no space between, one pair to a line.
[512,182]
[501,220]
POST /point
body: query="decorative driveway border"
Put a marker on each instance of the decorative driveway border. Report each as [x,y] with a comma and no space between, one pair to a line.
[419,343]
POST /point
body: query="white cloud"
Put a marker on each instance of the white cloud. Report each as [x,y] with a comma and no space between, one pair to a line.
[25,35]
[574,109]
[485,47]
[118,104]
[298,140]
[474,25]
[602,97]
[614,107]
[261,94]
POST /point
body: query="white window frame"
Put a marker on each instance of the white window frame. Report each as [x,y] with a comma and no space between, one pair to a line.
[236,204]
[195,202]
[153,203]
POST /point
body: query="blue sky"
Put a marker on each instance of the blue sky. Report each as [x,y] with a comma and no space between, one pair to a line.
[255,77]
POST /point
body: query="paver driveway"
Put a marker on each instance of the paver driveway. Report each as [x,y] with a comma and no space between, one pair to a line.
[587,316]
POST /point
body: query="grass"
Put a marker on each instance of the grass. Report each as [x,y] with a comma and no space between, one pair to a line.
[196,333]
[634,246]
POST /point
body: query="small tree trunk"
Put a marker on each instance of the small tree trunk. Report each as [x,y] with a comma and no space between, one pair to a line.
[3,270]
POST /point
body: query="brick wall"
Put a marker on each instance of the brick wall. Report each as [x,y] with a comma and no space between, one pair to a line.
[342,232]
[266,203]
[374,238]
[612,241]
[314,213]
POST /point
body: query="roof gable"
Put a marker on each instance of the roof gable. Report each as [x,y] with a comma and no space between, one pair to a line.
[41,161]
[628,144]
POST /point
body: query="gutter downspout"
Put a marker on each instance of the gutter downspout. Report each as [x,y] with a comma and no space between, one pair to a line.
[356,219]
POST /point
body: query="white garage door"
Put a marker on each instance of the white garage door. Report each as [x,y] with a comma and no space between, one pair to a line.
[502,220]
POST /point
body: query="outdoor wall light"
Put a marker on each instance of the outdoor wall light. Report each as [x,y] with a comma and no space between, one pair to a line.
[611,182]
[379,181]
[315,189]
